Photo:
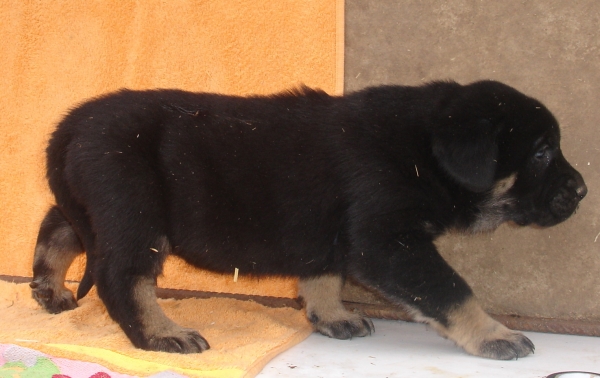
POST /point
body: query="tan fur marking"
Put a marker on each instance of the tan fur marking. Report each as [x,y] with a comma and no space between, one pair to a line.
[58,260]
[504,185]
[493,209]
[53,259]
[322,297]
[160,332]
[154,320]
[470,327]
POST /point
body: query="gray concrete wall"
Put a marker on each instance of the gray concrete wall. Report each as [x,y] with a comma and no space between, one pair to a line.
[546,48]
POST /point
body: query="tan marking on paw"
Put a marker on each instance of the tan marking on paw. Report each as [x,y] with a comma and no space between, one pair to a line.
[49,289]
[56,256]
[161,333]
[324,308]
[478,334]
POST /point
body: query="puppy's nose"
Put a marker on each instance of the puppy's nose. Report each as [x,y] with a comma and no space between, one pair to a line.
[576,182]
[581,190]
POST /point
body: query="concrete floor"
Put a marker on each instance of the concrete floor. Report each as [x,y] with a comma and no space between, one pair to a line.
[399,349]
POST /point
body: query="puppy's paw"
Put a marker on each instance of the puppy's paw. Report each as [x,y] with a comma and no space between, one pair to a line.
[324,308]
[52,298]
[511,347]
[181,340]
[343,329]
[480,335]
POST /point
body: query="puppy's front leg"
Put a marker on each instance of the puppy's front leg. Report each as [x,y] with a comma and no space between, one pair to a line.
[158,332]
[126,284]
[409,271]
[477,333]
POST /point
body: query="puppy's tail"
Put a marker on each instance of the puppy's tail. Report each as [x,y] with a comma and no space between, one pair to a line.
[87,281]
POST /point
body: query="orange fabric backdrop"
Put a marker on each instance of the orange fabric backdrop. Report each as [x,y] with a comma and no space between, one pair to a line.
[57,53]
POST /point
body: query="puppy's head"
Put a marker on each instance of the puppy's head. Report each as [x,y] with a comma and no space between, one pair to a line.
[488,132]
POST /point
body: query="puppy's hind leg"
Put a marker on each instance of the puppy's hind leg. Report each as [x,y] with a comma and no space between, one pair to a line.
[324,308]
[56,248]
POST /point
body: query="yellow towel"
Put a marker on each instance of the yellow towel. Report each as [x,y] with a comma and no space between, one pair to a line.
[243,335]
[57,53]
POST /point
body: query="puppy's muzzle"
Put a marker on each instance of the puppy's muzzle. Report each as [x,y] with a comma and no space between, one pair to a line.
[567,197]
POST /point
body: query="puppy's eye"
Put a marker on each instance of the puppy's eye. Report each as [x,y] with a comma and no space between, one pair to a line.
[541,153]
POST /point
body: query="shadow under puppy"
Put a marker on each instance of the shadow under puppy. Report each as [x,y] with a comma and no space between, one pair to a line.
[298,184]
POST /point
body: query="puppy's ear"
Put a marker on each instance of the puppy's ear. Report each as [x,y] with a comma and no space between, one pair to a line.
[467,151]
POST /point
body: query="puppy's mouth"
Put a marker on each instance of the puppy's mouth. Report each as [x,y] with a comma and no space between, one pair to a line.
[565,200]
[560,207]
[562,201]
[563,206]
[560,210]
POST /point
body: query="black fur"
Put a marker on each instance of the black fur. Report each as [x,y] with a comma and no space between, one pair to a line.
[303,184]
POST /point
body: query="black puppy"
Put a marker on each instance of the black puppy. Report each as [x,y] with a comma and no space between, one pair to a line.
[298,184]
